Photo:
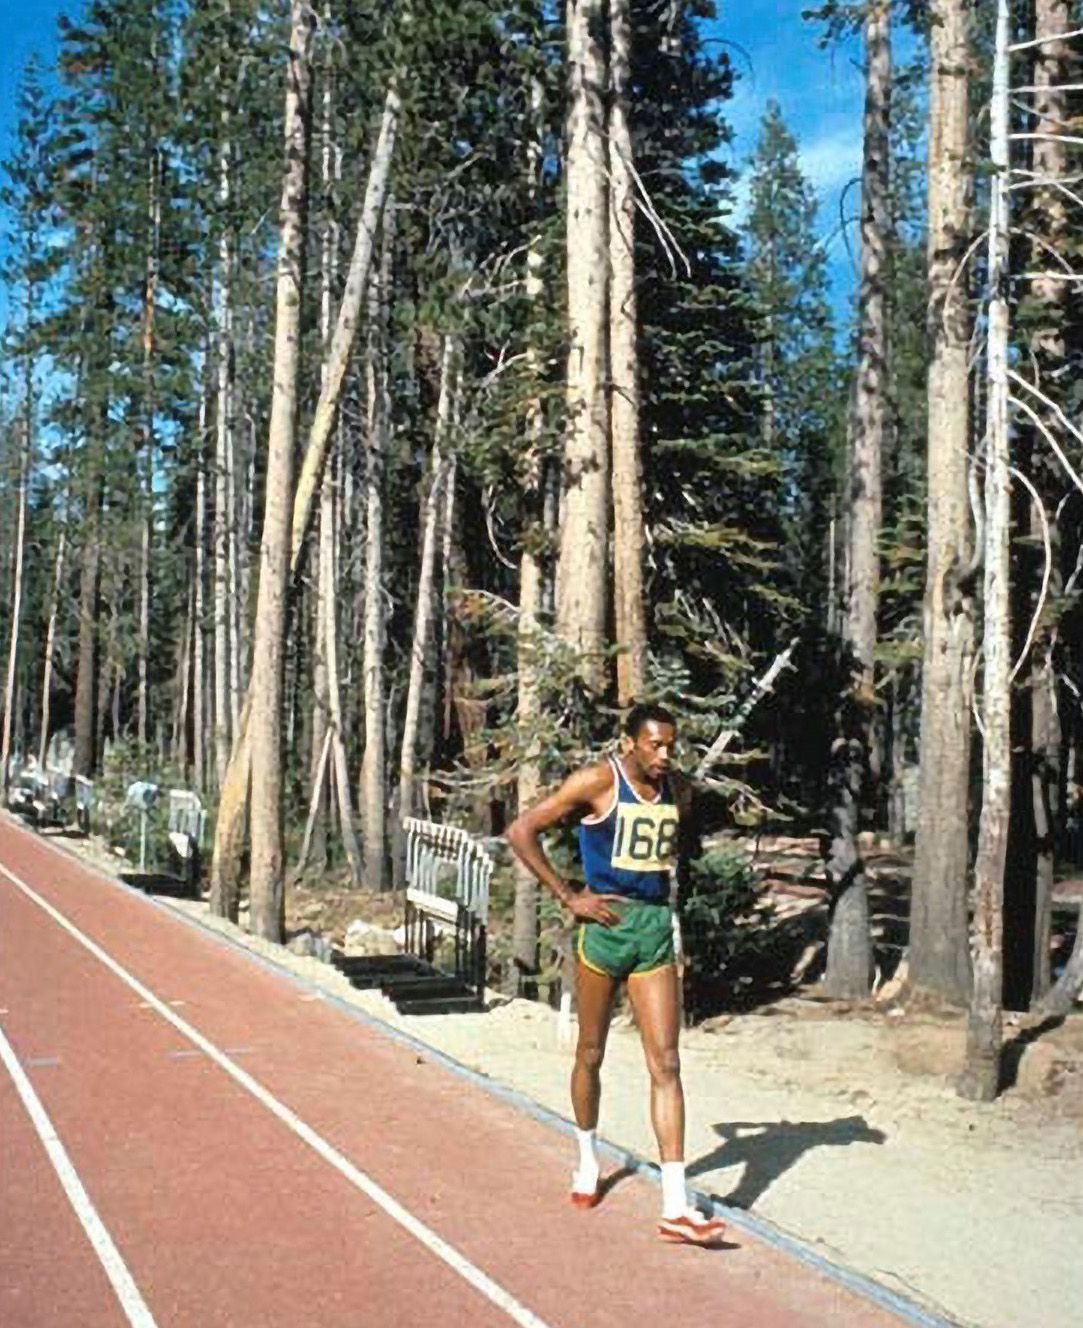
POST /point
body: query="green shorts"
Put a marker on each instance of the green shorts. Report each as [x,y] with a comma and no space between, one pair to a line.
[640,942]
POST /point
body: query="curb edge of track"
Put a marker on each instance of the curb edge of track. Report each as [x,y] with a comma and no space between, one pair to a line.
[860,1283]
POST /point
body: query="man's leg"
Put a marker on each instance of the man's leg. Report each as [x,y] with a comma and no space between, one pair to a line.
[595,993]
[655,998]
[655,1002]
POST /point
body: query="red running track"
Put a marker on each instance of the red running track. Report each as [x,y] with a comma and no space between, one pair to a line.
[337,1177]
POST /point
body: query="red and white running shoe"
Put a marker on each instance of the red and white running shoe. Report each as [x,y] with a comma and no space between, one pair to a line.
[693,1228]
[585,1198]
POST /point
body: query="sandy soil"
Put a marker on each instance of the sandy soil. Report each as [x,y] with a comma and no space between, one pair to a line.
[841,1129]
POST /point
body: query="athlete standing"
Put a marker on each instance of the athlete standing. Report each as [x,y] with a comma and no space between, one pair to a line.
[630,808]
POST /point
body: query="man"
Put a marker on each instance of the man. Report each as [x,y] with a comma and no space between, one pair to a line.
[630,809]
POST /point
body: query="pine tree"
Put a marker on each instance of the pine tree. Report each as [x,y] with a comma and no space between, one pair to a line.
[798,366]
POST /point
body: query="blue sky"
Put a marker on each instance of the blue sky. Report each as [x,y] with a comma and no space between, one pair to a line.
[774,50]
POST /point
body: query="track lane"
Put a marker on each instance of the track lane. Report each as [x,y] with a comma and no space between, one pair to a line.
[48,1271]
[489,1180]
[222,1217]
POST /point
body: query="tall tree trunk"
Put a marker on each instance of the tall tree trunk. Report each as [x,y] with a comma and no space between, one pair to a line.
[531,583]
[980,1080]
[267,900]
[199,647]
[86,747]
[50,643]
[628,533]
[373,792]
[229,826]
[181,699]
[316,839]
[353,301]
[317,847]
[223,452]
[329,628]
[419,650]
[150,296]
[939,932]
[17,588]
[582,580]
[849,954]
[1052,69]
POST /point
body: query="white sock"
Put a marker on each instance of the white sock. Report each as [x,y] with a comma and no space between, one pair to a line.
[586,1174]
[674,1192]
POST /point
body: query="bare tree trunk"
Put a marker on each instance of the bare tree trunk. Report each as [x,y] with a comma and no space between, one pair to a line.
[199,652]
[628,533]
[329,628]
[1052,68]
[150,296]
[1061,997]
[229,827]
[531,584]
[353,300]
[85,757]
[179,745]
[423,616]
[980,1080]
[319,783]
[316,834]
[50,644]
[373,799]
[317,848]
[223,503]
[849,953]
[267,900]
[939,956]
[582,580]
[17,589]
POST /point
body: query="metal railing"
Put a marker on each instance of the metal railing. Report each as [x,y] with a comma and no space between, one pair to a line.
[447,895]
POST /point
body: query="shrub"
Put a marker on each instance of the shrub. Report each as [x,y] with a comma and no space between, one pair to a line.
[726,928]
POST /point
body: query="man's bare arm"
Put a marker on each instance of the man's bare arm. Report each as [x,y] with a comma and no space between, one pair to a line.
[583,791]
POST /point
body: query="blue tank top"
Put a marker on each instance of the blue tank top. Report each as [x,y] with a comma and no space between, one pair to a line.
[632,849]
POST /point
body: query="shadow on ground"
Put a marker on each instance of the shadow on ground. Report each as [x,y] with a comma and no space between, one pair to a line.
[768,1149]
[159,883]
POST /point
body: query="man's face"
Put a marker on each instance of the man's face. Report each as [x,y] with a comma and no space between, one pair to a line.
[653,748]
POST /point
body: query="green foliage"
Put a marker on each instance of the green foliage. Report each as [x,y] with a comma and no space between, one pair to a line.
[799,367]
[726,929]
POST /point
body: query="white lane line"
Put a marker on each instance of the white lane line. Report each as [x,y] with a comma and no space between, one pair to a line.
[132,1303]
[458,1262]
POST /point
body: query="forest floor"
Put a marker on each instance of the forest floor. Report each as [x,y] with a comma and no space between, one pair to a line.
[836,1123]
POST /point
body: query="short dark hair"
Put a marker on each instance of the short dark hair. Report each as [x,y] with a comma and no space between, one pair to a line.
[647,713]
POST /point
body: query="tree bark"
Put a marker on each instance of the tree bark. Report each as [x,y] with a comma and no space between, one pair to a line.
[1049,217]
[582,580]
[531,584]
[628,533]
[199,644]
[334,696]
[229,827]
[980,1080]
[85,757]
[181,700]
[17,588]
[424,612]
[223,499]
[50,643]
[315,848]
[150,296]
[373,791]
[267,899]
[939,956]
[849,953]
[353,300]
